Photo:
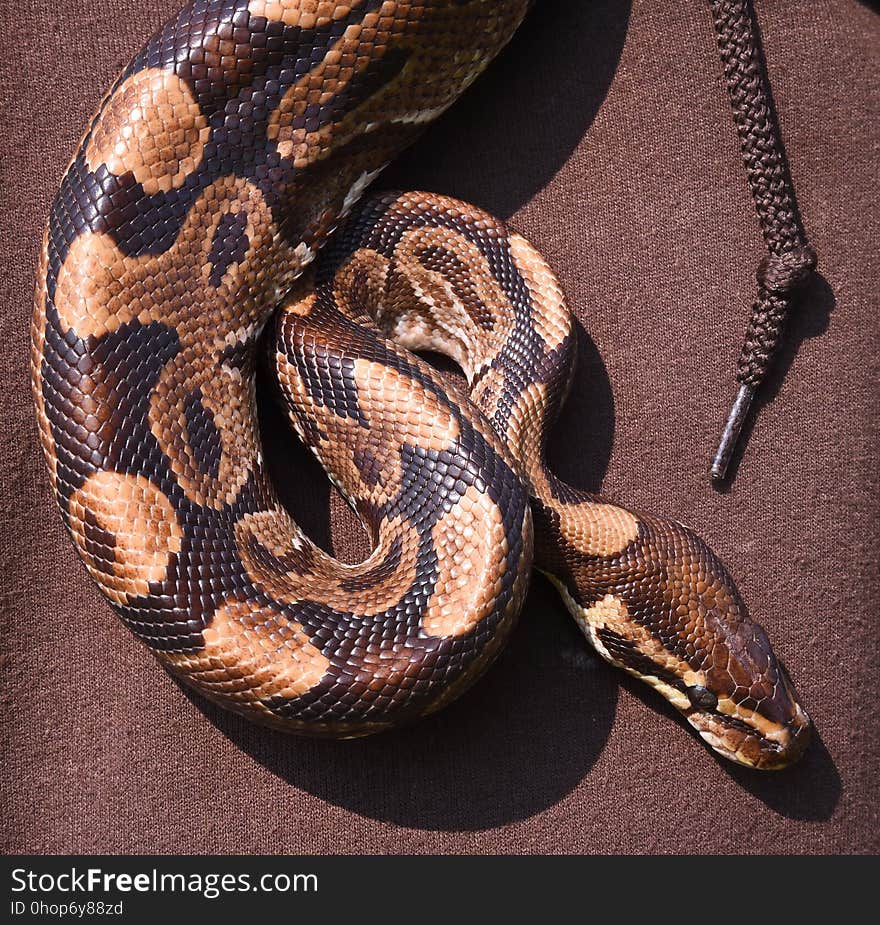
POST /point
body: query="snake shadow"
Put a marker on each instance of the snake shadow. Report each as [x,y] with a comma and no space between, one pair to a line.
[515,744]
[512,131]
[518,741]
[527,733]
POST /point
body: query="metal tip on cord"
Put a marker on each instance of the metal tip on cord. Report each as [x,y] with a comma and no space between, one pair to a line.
[732,430]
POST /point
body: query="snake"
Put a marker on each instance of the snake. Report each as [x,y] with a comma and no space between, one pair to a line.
[216,218]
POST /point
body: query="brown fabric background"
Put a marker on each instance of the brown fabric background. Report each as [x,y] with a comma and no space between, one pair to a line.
[604,134]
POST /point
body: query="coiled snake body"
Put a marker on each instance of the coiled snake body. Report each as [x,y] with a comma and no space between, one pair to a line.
[216,168]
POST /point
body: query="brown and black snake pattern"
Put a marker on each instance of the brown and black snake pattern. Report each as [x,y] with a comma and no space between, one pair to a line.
[216,168]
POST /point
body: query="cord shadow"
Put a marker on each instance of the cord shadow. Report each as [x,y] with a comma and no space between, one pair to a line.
[809,317]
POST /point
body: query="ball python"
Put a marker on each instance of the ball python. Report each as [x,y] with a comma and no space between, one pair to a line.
[236,145]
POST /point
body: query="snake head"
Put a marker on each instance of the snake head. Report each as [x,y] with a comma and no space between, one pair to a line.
[747,709]
[666,611]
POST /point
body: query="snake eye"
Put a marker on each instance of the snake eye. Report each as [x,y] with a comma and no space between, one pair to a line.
[702,698]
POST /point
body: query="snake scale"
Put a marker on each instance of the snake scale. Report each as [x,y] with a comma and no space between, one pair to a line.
[231,150]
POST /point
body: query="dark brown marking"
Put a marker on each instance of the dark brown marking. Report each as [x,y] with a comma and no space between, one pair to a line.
[229,247]
[204,438]
[460,278]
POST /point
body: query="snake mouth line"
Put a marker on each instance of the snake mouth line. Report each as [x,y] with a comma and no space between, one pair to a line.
[741,742]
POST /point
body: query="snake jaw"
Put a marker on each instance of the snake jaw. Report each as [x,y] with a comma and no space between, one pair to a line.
[769,750]
[736,694]
[758,721]
[768,737]
[745,737]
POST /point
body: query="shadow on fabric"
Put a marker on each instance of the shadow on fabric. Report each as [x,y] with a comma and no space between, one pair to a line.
[514,745]
[513,130]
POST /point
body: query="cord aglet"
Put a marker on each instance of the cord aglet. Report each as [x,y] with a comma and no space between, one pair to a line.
[732,430]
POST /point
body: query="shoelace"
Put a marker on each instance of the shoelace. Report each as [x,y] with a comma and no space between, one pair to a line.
[790,260]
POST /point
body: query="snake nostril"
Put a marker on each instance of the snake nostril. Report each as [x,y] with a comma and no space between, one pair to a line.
[702,698]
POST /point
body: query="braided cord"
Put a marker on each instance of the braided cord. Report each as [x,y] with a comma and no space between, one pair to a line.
[790,259]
